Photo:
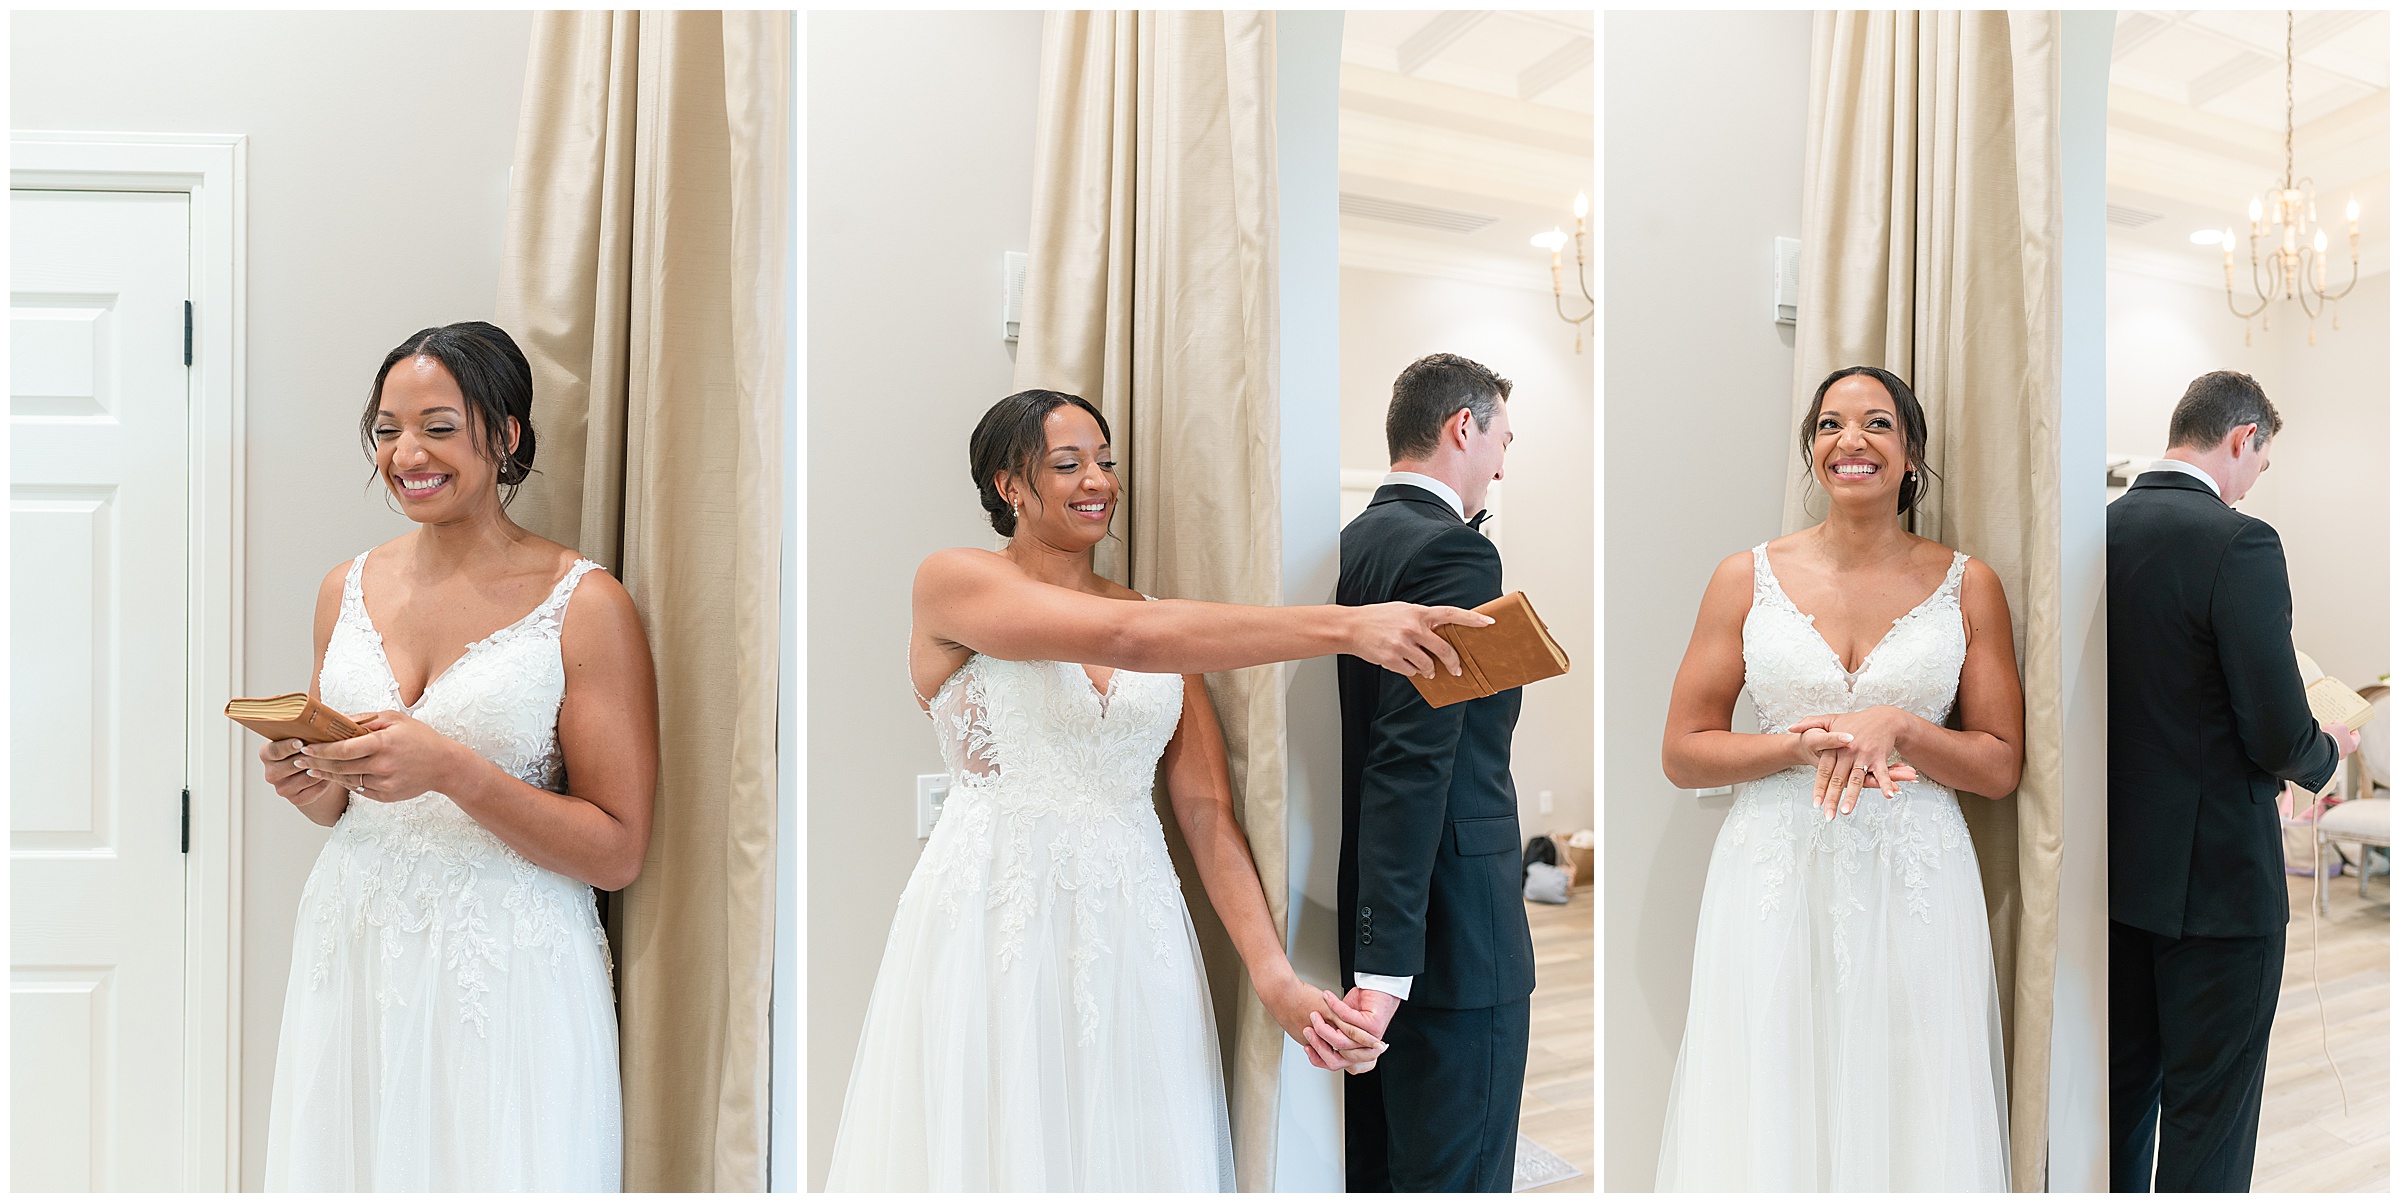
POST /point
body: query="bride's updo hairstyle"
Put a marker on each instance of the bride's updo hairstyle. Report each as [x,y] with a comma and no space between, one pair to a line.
[1912,428]
[1010,439]
[496,381]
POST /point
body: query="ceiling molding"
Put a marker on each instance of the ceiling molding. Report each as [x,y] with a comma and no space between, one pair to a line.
[1434,102]
[1382,147]
[1561,64]
[1377,250]
[2244,66]
[1437,35]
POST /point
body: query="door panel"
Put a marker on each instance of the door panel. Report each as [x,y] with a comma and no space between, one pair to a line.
[98,645]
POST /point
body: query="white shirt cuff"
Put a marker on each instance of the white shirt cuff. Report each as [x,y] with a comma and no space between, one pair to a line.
[1397,987]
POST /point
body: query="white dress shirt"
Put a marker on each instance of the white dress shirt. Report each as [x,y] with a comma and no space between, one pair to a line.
[2176,465]
[1430,485]
[1397,987]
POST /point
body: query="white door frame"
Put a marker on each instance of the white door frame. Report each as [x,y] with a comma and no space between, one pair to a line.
[211,168]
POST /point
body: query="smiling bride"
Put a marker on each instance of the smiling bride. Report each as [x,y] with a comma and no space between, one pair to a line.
[1844,1029]
[449,1024]
[1040,1021]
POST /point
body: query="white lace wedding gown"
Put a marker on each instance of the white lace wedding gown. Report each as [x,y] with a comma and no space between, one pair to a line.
[449,1023]
[1844,1029]
[1040,1021]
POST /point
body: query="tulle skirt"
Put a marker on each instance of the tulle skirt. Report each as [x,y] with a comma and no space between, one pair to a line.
[1040,1021]
[1844,1027]
[448,1025]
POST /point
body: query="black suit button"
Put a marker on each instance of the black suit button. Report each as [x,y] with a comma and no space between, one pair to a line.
[1368,938]
[1366,912]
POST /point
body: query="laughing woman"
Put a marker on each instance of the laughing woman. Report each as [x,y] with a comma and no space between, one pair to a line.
[449,1023]
[1844,1026]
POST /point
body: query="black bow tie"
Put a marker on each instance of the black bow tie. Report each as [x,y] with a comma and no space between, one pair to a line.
[1476,523]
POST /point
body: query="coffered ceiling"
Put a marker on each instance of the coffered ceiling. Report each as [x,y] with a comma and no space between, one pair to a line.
[2196,128]
[1463,134]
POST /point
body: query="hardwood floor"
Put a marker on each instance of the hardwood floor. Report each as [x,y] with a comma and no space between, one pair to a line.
[2306,1140]
[1558,1111]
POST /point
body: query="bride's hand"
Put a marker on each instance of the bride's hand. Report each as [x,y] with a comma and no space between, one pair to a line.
[1298,1007]
[1862,760]
[398,759]
[289,778]
[1399,636]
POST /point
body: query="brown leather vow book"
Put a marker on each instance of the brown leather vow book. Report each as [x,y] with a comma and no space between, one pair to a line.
[1515,650]
[293,716]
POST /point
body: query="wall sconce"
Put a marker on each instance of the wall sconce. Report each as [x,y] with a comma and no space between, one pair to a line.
[1554,240]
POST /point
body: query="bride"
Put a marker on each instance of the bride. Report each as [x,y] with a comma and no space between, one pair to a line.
[1040,1020]
[1844,1029]
[449,1023]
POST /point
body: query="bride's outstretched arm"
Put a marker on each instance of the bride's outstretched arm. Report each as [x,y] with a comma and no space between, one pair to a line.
[977,599]
[1702,749]
[1201,791]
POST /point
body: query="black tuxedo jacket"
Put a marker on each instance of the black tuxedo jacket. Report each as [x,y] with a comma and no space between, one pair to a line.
[1430,856]
[2206,714]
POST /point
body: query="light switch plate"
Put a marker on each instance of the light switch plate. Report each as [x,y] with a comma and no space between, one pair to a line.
[932,790]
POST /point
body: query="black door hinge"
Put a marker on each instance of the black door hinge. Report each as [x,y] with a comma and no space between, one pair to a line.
[187,822]
[187,334]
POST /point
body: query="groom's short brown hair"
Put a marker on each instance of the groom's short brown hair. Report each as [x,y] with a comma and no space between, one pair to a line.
[1428,392]
[2214,405]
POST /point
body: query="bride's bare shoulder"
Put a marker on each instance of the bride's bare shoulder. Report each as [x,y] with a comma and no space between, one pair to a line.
[960,567]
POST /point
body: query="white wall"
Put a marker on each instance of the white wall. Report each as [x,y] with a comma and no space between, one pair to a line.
[920,175]
[1390,320]
[378,195]
[2328,482]
[1698,422]
[1308,72]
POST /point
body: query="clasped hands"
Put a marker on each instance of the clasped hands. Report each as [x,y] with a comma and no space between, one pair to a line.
[1853,752]
[1338,1032]
[399,758]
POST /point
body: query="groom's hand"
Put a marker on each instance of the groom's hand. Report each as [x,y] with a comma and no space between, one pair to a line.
[2345,740]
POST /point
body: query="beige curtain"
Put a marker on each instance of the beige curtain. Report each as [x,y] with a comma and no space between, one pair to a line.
[1929,247]
[1150,292]
[650,213]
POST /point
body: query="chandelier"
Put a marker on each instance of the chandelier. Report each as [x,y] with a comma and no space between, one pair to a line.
[2293,267]
[1554,240]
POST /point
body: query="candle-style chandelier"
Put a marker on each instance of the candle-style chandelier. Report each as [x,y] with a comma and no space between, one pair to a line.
[2293,268]
[1554,240]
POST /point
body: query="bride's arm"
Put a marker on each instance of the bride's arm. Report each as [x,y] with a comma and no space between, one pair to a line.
[1702,749]
[607,732]
[1200,790]
[322,801]
[977,599]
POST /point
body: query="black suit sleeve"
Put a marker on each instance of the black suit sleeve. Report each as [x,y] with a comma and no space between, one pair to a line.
[1404,785]
[2250,608]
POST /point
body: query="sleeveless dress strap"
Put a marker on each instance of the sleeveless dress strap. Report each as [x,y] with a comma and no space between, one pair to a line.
[354,598]
[1958,572]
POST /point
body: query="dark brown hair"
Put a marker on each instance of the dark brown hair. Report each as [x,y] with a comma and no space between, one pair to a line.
[495,379]
[1912,428]
[2216,403]
[1010,439]
[1428,392]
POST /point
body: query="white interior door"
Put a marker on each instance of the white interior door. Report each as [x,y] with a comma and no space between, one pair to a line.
[98,519]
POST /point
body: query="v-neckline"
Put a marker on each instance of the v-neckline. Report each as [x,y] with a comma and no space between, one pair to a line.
[1850,675]
[1102,691]
[385,652]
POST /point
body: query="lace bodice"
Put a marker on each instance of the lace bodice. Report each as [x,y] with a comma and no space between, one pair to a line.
[1792,673]
[1038,731]
[500,697]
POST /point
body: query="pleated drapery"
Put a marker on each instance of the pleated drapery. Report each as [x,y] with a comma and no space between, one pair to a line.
[1151,292]
[1929,247]
[650,212]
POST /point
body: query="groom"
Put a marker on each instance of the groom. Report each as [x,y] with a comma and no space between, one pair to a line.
[2206,719]
[1434,942]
